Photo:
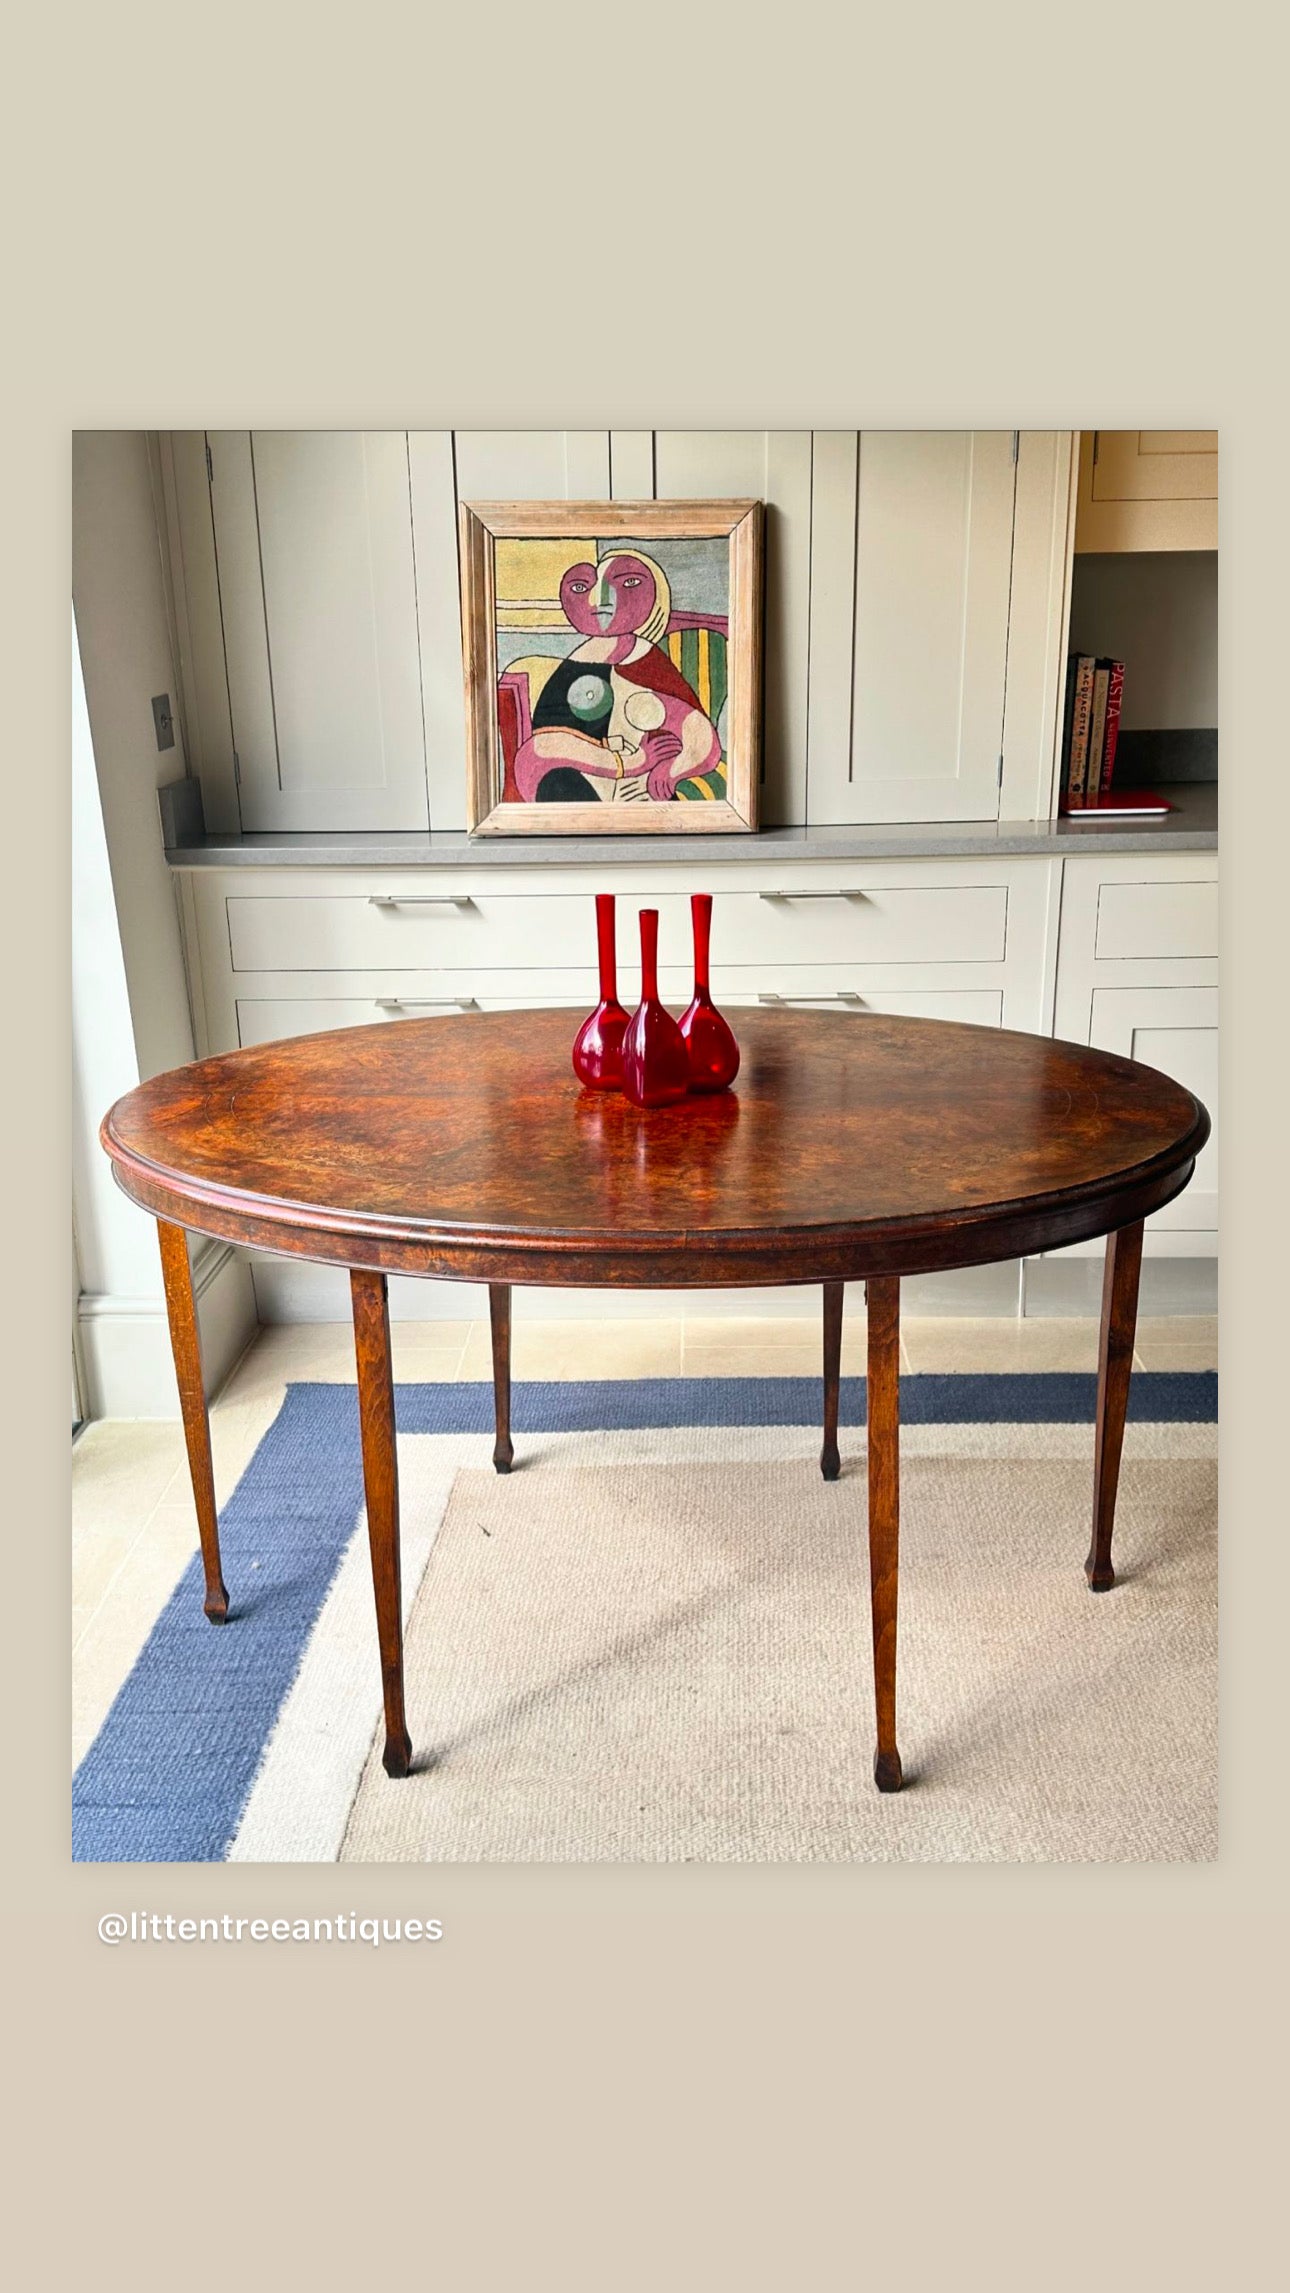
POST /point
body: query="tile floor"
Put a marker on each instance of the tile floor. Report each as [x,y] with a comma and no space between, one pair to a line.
[133,1526]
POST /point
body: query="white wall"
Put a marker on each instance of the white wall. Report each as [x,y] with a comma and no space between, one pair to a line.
[126,658]
[130,1014]
[116,1248]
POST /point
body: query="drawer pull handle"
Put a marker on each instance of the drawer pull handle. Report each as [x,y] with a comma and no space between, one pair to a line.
[812,895]
[437,900]
[426,1003]
[835,995]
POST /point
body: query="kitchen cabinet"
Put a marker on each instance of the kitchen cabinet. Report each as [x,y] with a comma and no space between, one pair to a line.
[1115,950]
[1176,1030]
[313,542]
[774,467]
[280,952]
[911,556]
[915,611]
[1147,490]
[1137,973]
[848,933]
[445,467]
[940,564]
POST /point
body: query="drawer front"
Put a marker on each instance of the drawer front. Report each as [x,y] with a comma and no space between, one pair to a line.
[978,1006]
[914,923]
[488,930]
[1169,920]
[269,1018]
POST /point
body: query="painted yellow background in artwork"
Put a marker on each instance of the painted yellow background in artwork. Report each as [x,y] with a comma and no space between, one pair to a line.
[527,575]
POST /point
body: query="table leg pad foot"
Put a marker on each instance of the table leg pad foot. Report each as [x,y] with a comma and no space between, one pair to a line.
[396,1759]
[886,1771]
[215,1606]
[1103,1582]
[830,1464]
[502,1464]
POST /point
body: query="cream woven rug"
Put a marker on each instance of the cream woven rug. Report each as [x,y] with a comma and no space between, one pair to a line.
[669,1662]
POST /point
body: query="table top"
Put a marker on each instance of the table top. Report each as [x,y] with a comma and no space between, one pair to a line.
[463,1147]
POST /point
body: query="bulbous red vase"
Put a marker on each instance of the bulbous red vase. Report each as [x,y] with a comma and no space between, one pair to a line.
[598,1044]
[656,1064]
[710,1046]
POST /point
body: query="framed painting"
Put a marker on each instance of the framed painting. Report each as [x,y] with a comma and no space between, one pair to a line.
[613,666]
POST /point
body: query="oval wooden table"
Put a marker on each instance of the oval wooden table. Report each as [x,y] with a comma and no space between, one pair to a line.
[852,1148]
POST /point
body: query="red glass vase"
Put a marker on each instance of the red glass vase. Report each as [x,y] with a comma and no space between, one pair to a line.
[710,1046]
[598,1044]
[656,1064]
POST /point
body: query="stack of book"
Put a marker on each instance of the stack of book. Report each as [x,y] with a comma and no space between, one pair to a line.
[1094,690]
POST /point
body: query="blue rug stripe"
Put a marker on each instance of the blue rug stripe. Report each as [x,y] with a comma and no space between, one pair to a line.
[612,1405]
[171,1769]
[168,1774]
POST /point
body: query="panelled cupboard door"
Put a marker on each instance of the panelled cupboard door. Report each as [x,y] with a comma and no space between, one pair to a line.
[912,534]
[446,467]
[774,467]
[190,541]
[532,465]
[1147,490]
[1176,1030]
[1155,466]
[313,535]
[668,465]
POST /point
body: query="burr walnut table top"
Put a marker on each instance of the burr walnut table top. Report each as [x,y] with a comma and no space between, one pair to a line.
[852,1144]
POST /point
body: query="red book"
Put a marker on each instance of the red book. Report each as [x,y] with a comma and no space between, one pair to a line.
[1114,696]
[1127,804]
[1096,731]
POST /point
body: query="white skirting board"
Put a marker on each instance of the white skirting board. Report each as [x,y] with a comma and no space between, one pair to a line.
[1069,1282]
[287,1292]
[125,1342]
[303,1293]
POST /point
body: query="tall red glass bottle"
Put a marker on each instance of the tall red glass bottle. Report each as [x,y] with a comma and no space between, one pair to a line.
[598,1044]
[712,1050]
[656,1064]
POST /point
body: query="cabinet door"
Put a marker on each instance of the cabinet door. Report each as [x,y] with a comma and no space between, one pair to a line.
[774,467]
[1148,489]
[481,466]
[911,567]
[1155,466]
[532,465]
[190,541]
[1176,1030]
[313,534]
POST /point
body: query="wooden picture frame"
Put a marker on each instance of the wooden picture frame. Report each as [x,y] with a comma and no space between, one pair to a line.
[628,720]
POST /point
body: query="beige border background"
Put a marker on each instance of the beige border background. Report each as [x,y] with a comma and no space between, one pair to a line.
[951,218]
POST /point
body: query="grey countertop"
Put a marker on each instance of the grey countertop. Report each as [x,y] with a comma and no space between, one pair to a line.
[1191,827]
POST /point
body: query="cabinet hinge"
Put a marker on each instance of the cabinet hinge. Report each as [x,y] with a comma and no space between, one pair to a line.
[1016,444]
[210,465]
[999,781]
[1096,438]
[237,768]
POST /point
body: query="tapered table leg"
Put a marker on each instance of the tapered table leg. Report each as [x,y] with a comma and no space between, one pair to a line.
[186,1346]
[830,1462]
[499,1315]
[1114,1368]
[381,1486]
[883,1395]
